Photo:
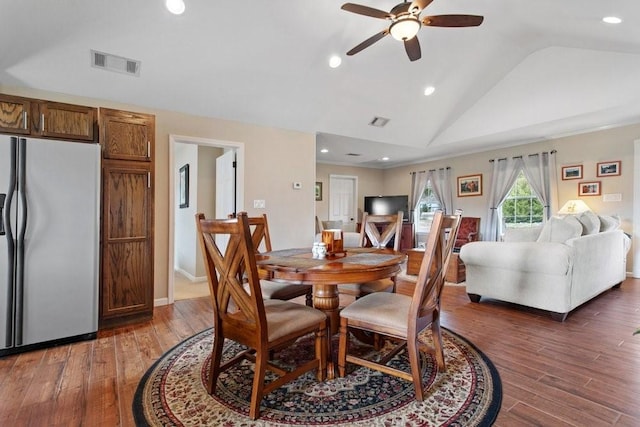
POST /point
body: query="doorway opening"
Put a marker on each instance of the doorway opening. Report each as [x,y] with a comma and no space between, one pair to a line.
[214,194]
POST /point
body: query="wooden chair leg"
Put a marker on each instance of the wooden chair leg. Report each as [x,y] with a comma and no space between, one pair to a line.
[258,384]
[438,345]
[342,347]
[216,357]
[414,360]
[321,353]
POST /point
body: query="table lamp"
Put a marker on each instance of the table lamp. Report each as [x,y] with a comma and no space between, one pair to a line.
[574,207]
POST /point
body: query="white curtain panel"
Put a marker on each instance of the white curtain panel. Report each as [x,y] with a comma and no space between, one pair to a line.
[418,184]
[540,170]
[442,188]
[505,172]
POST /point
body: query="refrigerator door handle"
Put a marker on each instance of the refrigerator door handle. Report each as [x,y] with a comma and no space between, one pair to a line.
[3,197]
[19,309]
[11,272]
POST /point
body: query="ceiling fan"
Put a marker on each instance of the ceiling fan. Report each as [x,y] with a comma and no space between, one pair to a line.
[406,22]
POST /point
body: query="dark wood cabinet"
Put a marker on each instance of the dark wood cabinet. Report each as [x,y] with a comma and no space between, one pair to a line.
[126,136]
[66,121]
[15,113]
[46,119]
[126,286]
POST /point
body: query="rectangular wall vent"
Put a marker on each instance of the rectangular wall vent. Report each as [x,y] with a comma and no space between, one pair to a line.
[119,64]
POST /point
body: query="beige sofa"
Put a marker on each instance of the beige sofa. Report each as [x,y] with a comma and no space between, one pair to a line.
[556,267]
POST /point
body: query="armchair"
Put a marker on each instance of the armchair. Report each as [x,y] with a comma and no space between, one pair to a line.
[469,231]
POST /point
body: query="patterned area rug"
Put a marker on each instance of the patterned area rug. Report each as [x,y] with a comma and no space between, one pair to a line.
[173,393]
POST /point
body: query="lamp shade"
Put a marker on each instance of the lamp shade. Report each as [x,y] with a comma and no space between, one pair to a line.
[574,207]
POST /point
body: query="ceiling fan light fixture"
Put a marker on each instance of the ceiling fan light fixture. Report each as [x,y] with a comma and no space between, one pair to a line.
[405,28]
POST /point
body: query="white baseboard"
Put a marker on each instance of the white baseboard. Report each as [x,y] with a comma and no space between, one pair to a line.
[160,301]
[190,276]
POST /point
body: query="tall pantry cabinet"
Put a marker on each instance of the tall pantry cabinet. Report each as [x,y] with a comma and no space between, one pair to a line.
[128,144]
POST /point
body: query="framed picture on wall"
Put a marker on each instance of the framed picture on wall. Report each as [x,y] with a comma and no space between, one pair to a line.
[318,191]
[183,195]
[589,188]
[609,168]
[470,185]
[572,172]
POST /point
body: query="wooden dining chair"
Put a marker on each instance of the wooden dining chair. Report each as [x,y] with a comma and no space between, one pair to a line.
[274,290]
[401,318]
[270,289]
[242,315]
[376,231]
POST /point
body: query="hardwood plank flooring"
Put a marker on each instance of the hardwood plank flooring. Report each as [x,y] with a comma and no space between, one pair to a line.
[583,372]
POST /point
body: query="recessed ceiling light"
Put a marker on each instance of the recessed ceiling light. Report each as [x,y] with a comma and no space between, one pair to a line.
[335,61]
[429,90]
[384,159]
[611,20]
[175,6]
[324,150]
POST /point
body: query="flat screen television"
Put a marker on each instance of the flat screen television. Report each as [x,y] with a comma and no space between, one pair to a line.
[387,205]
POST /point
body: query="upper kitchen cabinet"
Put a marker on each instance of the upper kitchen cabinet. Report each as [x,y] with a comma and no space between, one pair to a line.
[67,121]
[126,135]
[15,113]
[45,119]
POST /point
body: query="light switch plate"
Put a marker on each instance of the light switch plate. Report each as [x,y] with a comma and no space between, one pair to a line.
[613,197]
[258,204]
[297,185]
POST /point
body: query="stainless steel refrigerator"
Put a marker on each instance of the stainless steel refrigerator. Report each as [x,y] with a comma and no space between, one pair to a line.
[49,242]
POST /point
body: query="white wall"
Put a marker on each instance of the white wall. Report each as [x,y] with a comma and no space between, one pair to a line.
[185,239]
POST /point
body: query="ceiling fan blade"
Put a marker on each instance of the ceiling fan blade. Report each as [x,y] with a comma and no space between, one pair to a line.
[412,46]
[420,4]
[452,21]
[368,42]
[366,10]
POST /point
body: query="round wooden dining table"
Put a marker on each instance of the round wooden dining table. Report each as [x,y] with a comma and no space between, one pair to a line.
[356,265]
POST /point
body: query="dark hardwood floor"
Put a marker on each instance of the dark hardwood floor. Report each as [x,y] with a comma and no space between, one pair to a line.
[583,372]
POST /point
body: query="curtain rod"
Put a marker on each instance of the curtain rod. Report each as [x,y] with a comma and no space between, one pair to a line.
[430,170]
[519,157]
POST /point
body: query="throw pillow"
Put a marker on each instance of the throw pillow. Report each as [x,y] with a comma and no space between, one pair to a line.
[590,223]
[608,223]
[559,230]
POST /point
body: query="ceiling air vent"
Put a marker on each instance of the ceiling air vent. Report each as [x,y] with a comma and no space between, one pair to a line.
[379,122]
[110,62]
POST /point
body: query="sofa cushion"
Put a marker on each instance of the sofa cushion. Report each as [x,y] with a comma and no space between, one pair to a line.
[590,222]
[559,230]
[524,234]
[608,223]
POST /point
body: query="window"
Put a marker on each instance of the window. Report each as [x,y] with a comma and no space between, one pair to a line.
[423,215]
[521,208]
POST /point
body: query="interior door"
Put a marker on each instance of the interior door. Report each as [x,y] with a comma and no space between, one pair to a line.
[226,184]
[225,190]
[342,200]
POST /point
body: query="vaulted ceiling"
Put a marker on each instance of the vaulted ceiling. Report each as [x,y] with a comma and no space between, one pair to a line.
[535,69]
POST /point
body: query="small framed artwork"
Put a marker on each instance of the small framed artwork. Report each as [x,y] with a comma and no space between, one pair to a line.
[470,185]
[572,172]
[183,195]
[318,191]
[589,188]
[609,168]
